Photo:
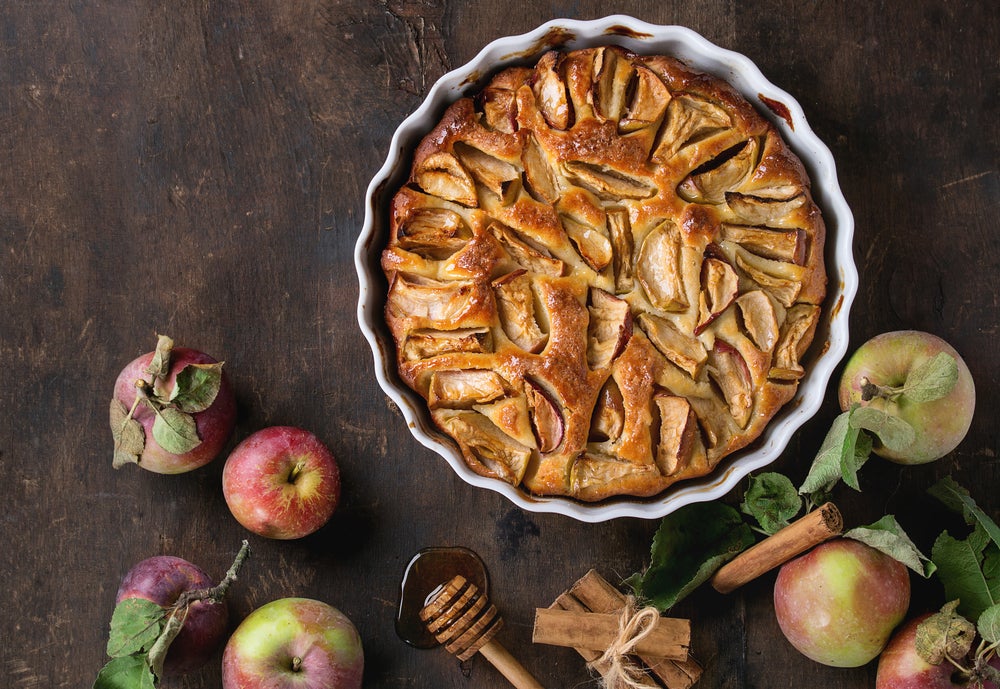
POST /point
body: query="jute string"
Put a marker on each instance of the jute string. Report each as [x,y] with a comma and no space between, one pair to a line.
[622,671]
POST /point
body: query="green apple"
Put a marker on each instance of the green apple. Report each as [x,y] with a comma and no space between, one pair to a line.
[294,643]
[878,375]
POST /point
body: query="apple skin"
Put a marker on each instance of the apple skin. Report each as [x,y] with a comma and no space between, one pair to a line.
[214,425]
[294,642]
[281,482]
[838,603]
[886,359]
[901,667]
[162,579]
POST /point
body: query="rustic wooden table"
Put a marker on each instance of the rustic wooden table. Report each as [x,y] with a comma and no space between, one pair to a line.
[199,168]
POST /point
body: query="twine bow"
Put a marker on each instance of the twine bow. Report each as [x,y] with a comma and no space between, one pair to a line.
[622,672]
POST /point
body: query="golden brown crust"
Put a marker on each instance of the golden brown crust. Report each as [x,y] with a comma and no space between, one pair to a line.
[604,272]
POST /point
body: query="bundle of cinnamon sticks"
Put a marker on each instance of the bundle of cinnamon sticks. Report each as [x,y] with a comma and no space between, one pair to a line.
[588,617]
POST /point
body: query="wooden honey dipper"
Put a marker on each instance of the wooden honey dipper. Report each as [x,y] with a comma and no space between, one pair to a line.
[465,622]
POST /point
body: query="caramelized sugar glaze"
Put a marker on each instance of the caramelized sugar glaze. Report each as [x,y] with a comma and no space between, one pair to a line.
[604,273]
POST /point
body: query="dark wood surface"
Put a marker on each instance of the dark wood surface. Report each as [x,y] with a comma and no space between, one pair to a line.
[198,168]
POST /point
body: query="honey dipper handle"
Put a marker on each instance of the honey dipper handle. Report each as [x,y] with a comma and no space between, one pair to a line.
[508,666]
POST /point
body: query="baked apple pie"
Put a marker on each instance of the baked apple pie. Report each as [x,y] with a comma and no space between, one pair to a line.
[604,271]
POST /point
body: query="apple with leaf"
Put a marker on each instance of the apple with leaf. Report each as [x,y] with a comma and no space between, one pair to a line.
[914,391]
[172,410]
[168,619]
[957,646]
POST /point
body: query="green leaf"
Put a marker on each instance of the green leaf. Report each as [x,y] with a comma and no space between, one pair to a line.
[135,625]
[969,574]
[945,634]
[895,433]
[932,379]
[159,366]
[688,547]
[958,499]
[989,624]
[887,536]
[175,431]
[854,458]
[196,386]
[772,500]
[126,672]
[129,438]
[843,452]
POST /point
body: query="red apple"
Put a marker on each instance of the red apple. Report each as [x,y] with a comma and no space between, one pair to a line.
[885,361]
[213,424]
[294,643]
[162,579]
[281,482]
[901,667]
[838,603]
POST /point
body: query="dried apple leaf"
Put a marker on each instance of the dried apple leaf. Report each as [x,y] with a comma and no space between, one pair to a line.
[945,634]
[175,431]
[128,435]
[159,366]
[196,387]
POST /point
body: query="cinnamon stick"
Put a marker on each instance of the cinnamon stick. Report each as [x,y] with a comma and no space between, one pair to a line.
[820,525]
[670,638]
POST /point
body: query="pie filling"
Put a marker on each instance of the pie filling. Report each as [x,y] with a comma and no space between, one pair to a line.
[604,273]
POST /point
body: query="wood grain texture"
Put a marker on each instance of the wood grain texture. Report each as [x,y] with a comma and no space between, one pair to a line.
[199,168]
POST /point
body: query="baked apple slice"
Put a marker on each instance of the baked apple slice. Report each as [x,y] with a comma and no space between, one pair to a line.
[425,343]
[441,174]
[685,351]
[546,418]
[658,268]
[608,418]
[609,330]
[678,433]
[516,307]
[434,233]
[729,370]
[464,388]
[498,453]
[719,288]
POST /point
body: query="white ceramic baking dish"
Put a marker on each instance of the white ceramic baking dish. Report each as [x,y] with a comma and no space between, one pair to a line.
[831,339]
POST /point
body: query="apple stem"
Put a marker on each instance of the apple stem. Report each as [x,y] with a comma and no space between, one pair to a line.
[870,391]
[296,470]
[296,664]
[175,622]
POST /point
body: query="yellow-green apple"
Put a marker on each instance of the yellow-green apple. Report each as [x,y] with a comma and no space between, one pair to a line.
[838,603]
[169,427]
[901,667]
[294,643]
[877,375]
[281,482]
[162,579]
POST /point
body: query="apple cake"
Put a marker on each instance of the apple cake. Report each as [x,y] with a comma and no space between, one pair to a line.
[604,271]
